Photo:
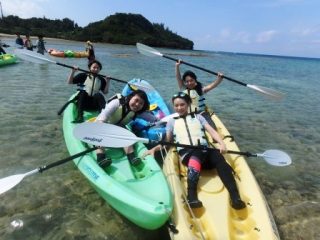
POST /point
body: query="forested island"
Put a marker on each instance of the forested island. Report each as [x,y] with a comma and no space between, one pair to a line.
[120,28]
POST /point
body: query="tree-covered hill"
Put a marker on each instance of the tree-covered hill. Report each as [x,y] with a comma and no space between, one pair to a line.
[120,28]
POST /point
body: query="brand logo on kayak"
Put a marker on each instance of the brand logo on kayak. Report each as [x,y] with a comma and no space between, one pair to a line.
[92,173]
[93,139]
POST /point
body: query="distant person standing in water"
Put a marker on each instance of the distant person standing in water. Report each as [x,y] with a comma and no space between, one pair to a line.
[28,43]
[19,41]
[40,45]
[90,50]
[2,51]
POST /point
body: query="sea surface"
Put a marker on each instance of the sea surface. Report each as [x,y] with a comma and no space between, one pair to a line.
[60,204]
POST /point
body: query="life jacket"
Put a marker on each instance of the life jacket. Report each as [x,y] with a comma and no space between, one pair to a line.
[28,44]
[188,130]
[198,101]
[122,115]
[92,85]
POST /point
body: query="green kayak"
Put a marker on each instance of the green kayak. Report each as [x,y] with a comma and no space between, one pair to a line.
[139,193]
[6,59]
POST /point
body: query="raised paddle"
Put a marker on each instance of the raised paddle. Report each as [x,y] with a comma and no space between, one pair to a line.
[9,182]
[42,59]
[151,52]
[108,135]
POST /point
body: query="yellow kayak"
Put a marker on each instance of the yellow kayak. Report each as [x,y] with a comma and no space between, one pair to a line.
[217,219]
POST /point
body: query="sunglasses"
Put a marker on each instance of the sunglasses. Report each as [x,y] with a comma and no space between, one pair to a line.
[179,94]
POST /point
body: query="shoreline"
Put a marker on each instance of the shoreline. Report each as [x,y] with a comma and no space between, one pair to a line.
[13,36]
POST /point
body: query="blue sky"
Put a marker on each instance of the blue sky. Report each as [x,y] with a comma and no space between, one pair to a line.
[277,27]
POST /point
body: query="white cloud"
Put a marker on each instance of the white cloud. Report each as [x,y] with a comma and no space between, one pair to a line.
[23,9]
[265,36]
[306,31]
[242,37]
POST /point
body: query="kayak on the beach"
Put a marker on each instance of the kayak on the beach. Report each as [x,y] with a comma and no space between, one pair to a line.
[143,125]
[68,53]
[140,193]
[217,219]
[7,59]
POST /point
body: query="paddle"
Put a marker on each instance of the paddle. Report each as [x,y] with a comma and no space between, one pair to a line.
[66,104]
[9,182]
[109,135]
[42,59]
[151,52]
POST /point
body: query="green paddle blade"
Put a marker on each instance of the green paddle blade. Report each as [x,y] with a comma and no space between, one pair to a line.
[276,157]
[148,51]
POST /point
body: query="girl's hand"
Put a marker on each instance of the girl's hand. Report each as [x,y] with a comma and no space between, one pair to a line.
[75,68]
[178,63]
[148,152]
[220,75]
[223,148]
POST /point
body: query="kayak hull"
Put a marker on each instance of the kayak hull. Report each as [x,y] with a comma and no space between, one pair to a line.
[128,189]
[7,59]
[68,53]
[217,219]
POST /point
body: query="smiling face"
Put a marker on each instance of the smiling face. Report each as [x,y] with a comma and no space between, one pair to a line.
[190,82]
[95,68]
[180,106]
[136,103]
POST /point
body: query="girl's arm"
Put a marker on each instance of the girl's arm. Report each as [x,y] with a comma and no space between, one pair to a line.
[106,88]
[214,84]
[71,76]
[213,133]
[109,109]
[157,148]
[178,75]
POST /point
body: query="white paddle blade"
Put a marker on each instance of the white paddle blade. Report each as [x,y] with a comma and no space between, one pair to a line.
[167,118]
[142,85]
[9,182]
[105,135]
[31,56]
[267,91]
[148,51]
[276,157]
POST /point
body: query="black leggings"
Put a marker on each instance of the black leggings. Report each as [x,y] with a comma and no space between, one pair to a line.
[213,159]
[90,103]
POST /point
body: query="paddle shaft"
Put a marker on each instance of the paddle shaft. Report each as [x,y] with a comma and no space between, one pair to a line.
[248,154]
[86,71]
[62,161]
[66,104]
[205,70]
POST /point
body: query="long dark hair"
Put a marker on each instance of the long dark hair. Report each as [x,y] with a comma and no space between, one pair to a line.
[143,96]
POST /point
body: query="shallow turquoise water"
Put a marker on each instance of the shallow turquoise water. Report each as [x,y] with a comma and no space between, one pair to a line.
[59,204]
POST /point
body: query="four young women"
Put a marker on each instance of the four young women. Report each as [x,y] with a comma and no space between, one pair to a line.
[189,128]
